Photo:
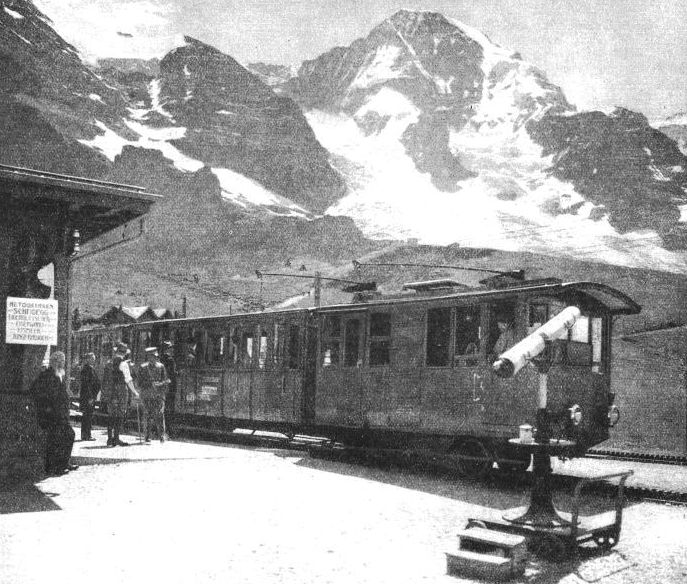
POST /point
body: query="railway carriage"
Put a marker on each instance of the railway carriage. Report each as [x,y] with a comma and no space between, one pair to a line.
[411,370]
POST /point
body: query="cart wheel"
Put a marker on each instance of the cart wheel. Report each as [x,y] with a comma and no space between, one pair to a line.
[475,523]
[548,547]
[606,541]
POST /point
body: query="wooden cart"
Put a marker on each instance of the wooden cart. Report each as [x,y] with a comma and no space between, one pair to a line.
[560,541]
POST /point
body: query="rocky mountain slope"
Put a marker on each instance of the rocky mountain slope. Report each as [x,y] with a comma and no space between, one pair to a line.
[445,136]
[675,127]
[424,129]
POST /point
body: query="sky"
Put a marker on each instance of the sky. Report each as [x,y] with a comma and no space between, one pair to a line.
[603,53]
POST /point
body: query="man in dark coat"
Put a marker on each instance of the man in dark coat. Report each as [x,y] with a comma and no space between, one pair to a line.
[118,400]
[90,387]
[153,382]
[52,407]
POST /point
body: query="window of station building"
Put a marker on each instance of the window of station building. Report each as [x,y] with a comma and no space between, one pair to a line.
[294,346]
[438,337]
[468,333]
[215,349]
[262,348]
[331,340]
[380,338]
[352,356]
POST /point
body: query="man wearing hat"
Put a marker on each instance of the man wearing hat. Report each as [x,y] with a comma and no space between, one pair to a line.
[122,384]
[167,359]
[153,382]
[89,390]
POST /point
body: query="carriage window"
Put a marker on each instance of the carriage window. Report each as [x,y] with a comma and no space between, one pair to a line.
[467,331]
[331,342]
[246,350]
[580,330]
[380,338]
[438,336]
[579,348]
[294,346]
[197,347]
[214,353]
[144,341]
[597,336]
[277,345]
[539,315]
[262,349]
[233,341]
[352,343]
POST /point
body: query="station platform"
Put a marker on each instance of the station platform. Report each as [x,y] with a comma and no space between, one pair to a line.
[187,512]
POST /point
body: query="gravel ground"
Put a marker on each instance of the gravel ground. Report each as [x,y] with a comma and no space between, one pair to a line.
[186,513]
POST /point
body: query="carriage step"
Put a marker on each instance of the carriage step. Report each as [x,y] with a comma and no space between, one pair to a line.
[488,554]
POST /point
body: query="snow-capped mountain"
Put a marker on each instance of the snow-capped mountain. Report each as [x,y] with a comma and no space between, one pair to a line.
[424,129]
[675,126]
[444,136]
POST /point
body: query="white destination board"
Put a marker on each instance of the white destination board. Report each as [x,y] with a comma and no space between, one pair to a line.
[31,321]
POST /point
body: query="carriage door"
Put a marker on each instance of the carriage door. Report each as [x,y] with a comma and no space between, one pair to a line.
[310,373]
[468,360]
[351,407]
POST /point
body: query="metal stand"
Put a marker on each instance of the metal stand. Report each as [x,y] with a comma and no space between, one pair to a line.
[541,511]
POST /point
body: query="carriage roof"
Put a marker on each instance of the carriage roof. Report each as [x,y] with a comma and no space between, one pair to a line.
[590,294]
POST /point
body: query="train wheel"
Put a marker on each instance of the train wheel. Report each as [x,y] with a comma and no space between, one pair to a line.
[472,459]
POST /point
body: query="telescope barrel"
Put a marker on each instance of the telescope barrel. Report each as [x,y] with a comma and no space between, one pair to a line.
[514,359]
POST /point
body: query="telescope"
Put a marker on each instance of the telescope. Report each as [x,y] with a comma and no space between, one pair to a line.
[514,359]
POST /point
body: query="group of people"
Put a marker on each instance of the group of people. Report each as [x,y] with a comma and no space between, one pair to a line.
[122,385]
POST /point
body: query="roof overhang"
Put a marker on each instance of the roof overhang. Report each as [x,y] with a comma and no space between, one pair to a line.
[94,206]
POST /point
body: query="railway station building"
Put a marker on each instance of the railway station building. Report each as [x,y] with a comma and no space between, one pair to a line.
[44,217]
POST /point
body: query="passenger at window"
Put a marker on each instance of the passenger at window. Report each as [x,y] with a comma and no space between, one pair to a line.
[506,338]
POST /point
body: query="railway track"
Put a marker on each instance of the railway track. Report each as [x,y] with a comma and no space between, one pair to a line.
[423,462]
[637,456]
[436,465]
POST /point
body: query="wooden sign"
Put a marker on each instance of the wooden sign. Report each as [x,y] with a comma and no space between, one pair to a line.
[31,321]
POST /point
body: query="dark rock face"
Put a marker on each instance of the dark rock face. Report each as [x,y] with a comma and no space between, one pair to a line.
[48,99]
[457,80]
[274,76]
[235,121]
[419,55]
[620,162]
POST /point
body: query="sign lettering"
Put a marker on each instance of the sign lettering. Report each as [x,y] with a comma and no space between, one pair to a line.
[31,321]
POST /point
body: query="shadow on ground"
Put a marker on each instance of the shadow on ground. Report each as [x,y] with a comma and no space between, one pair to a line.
[26,498]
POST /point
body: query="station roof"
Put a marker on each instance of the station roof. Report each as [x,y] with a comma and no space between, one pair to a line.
[95,206]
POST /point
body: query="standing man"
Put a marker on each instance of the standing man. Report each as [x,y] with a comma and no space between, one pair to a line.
[122,384]
[106,385]
[52,407]
[90,387]
[153,382]
[171,368]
